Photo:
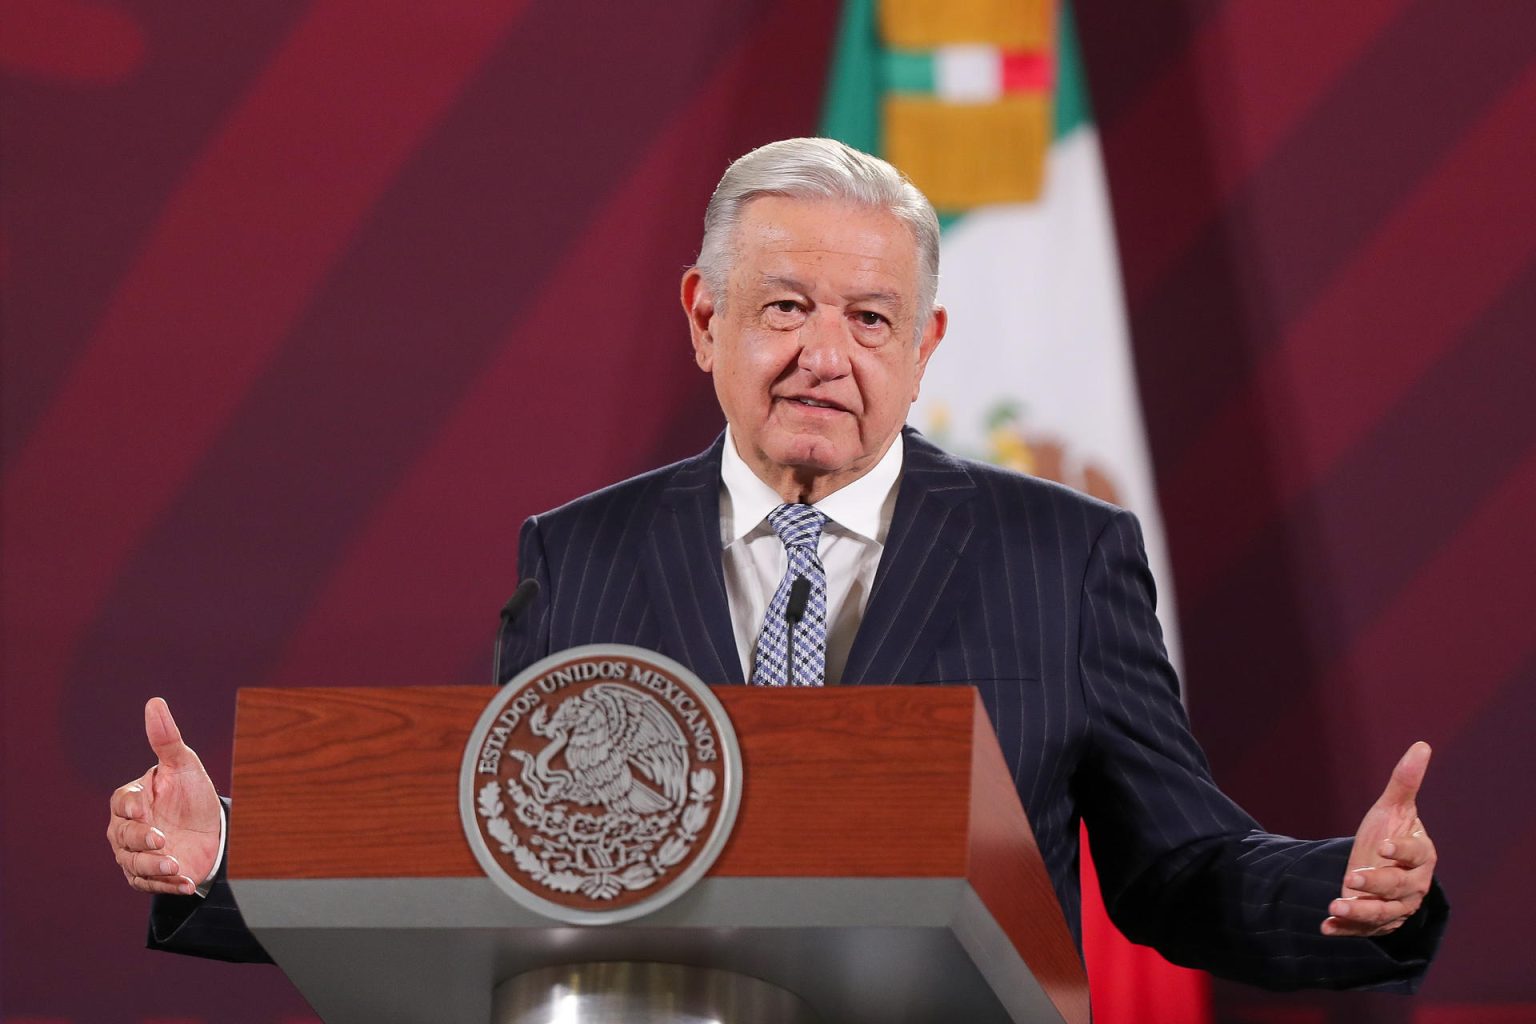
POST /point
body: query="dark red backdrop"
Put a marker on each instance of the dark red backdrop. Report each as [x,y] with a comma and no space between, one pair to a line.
[307,305]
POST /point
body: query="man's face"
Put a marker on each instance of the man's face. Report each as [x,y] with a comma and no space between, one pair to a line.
[814,351]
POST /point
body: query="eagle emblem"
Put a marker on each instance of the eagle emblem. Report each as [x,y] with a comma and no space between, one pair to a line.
[607,735]
[596,778]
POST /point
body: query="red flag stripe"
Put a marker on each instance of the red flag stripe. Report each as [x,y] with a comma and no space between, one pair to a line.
[1028,72]
[1126,978]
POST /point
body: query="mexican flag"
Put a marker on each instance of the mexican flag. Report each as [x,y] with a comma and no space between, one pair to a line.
[983,104]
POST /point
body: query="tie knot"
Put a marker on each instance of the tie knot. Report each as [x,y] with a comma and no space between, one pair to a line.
[797,525]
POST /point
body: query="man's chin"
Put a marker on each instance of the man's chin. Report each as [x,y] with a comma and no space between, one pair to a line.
[811,455]
[808,466]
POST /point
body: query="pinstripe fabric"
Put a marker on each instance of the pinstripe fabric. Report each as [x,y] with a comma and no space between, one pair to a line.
[1039,597]
[639,560]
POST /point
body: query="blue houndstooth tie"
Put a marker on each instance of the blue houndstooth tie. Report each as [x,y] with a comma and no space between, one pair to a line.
[801,649]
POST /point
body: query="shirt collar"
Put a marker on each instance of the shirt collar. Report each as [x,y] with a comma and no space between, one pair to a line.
[861,507]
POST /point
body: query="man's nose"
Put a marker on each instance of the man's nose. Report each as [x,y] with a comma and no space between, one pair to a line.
[824,342]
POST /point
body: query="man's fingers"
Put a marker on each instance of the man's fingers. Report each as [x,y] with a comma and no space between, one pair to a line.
[164,738]
[1409,851]
[135,836]
[139,851]
[149,865]
[1403,788]
[1369,913]
[129,801]
[1344,927]
[1381,882]
[1388,882]
[172,885]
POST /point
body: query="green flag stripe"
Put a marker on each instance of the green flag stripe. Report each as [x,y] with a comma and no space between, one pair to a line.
[1071,107]
[851,112]
[910,71]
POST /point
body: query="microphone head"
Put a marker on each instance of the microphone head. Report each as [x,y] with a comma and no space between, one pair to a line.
[799,594]
[521,598]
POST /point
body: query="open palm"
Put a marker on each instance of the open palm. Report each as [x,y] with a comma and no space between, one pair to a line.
[165,825]
[1392,862]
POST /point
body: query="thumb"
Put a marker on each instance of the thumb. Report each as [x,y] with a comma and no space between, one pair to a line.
[164,738]
[1403,788]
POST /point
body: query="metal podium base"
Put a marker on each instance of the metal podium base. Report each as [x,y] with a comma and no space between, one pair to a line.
[641,993]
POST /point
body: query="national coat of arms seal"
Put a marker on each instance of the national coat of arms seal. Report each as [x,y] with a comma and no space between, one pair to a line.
[600,784]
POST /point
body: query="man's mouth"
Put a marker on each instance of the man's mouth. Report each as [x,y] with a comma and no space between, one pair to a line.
[813,403]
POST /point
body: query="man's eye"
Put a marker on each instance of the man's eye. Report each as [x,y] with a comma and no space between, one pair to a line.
[784,305]
[869,319]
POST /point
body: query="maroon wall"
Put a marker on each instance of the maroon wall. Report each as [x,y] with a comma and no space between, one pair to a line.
[307,305]
[1328,231]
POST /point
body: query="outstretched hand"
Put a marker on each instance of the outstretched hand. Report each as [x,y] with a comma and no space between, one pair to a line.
[165,825]
[1393,860]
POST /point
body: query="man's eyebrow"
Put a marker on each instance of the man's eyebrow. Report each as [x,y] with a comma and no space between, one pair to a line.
[779,281]
[889,298]
[794,285]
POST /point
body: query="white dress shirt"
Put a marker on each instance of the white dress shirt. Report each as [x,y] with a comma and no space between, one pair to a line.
[858,521]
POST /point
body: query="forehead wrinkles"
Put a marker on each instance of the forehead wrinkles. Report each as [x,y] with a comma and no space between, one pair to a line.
[812,268]
[834,237]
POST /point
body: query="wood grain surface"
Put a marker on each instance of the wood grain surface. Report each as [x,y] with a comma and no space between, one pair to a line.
[363,782]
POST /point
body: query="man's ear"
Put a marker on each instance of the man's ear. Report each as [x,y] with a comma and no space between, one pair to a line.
[933,333]
[699,305]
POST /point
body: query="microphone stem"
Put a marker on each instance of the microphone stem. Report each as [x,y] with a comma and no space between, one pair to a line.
[521,598]
[794,611]
[789,656]
[501,643]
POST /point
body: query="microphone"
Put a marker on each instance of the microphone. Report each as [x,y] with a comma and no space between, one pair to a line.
[521,598]
[799,595]
[794,611]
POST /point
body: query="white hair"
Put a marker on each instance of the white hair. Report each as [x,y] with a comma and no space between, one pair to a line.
[818,169]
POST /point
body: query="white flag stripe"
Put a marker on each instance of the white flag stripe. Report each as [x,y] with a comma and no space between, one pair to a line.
[1037,317]
[968,74]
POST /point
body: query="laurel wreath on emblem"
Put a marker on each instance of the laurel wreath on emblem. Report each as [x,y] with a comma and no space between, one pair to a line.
[644,831]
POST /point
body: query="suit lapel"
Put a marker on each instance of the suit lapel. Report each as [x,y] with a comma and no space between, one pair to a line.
[685,572]
[925,570]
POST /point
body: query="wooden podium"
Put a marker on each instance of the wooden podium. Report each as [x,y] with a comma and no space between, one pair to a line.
[881,867]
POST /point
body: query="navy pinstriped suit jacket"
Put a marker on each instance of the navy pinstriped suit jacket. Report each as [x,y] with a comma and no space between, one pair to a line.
[1041,598]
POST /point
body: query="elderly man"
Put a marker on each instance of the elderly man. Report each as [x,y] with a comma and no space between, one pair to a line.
[812,307]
